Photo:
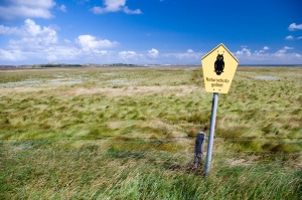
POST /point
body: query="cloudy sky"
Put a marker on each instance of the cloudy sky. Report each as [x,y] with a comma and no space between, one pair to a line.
[149,31]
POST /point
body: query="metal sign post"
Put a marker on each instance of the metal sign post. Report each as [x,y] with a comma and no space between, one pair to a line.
[219,67]
[212,133]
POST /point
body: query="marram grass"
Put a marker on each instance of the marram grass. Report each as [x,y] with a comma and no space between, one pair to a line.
[102,170]
[128,133]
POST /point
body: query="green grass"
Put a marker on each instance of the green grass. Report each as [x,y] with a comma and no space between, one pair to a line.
[105,170]
[128,133]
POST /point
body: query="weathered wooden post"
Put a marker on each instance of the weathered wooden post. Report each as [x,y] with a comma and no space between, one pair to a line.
[199,145]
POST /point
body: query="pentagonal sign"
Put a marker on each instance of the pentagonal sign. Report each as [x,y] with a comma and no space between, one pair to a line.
[219,67]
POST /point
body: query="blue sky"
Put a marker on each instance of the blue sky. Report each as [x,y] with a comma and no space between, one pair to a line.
[149,31]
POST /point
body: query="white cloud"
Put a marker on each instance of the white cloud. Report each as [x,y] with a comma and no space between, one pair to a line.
[128,11]
[8,30]
[32,35]
[295,26]
[89,42]
[31,41]
[11,55]
[63,8]
[153,56]
[58,53]
[265,48]
[130,57]
[98,10]
[14,9]
[289,37]
[243,52]
[127,54]
[190,56]
[114,6]
[283,54]
[262,56]
[34,42]
[153,53]
[283,50]
[190,51]
[67,41]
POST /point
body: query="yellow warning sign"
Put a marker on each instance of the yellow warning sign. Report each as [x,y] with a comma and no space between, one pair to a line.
[219,67]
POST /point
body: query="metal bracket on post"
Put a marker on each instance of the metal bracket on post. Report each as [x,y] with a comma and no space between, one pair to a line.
[211,133]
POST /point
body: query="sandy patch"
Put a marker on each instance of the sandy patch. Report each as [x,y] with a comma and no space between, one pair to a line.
[267,78]
[35,85]
[21,89]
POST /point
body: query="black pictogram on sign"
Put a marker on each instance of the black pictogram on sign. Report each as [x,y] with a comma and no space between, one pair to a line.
[219,64]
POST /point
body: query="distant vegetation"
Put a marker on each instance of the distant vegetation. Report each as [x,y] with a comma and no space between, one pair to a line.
[128,133]
[60,65]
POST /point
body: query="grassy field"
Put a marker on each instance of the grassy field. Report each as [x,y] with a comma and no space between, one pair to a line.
[129,133]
